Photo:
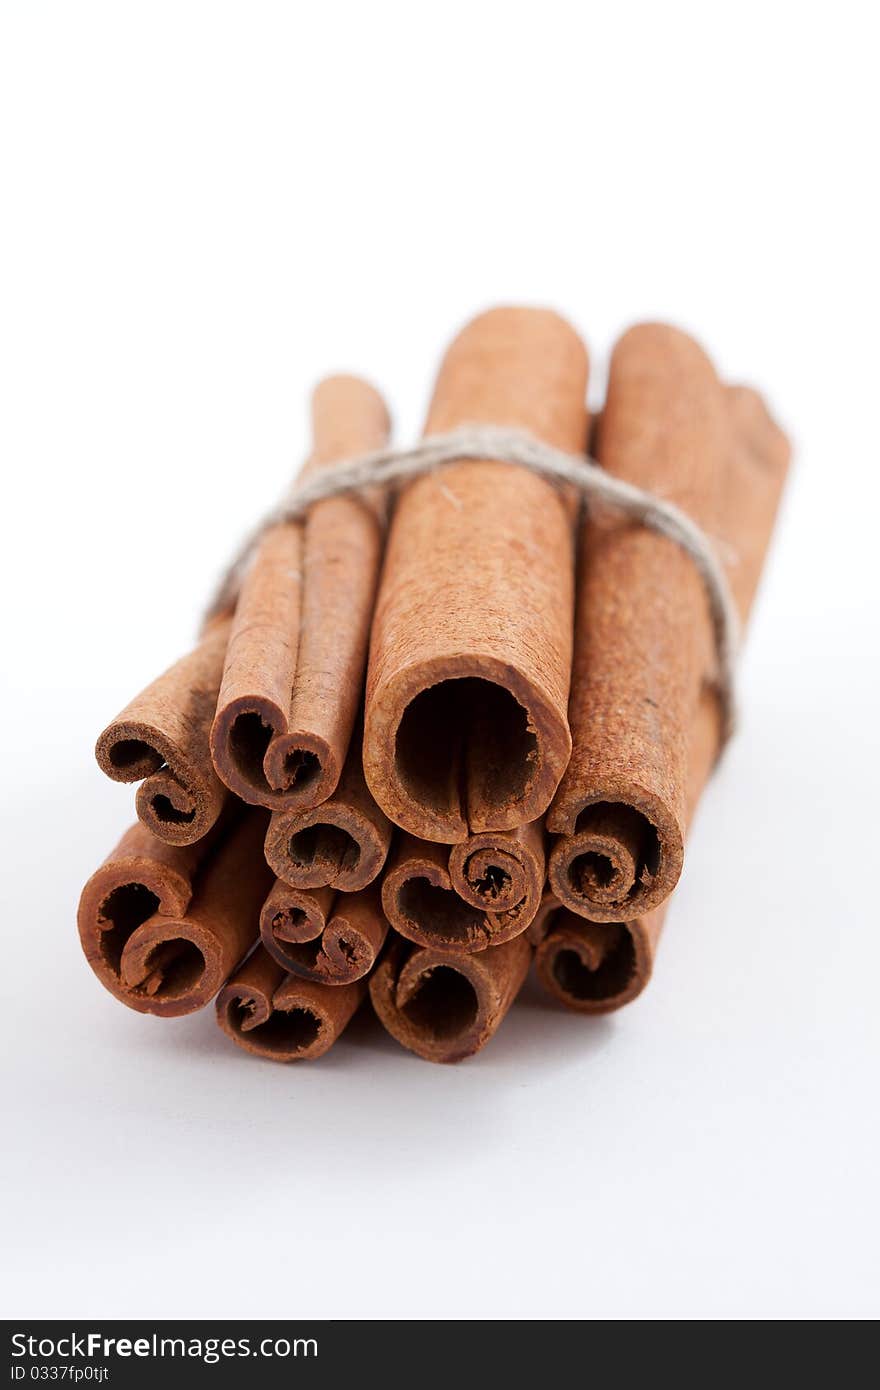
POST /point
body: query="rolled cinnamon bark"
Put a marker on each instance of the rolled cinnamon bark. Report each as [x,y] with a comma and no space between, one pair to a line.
[162,926]
[281,1017]
[343,843]
[421,903]
[334,938]
[501,870]
[161,740]
[597,967]
[643,647]
[297,649]
[445,1006]
[467,687]
[293,915]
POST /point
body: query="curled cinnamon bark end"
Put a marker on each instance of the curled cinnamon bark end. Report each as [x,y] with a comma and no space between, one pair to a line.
[342,843]
[163,926]
[162,740]
[445,1006]
[320,935]
[298,644]
[253,703]
[275,1015]
[595,967]
[634,701]
[421,903]
[622,857]
[470,655]
[293,915]
[501,871]
[644,646]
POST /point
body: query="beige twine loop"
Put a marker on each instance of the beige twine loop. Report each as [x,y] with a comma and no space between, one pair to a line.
[496,444]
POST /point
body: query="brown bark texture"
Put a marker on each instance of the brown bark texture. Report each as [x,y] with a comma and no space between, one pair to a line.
[161,741]
[281,1017]
[443,1005]
[479,748]
[643,648]
[334,938]
[420,900]
[466,724]
[294,669]
[597,966]
[163,926]
[343,843]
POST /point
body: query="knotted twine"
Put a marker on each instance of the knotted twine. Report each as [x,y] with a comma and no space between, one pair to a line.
[499,444]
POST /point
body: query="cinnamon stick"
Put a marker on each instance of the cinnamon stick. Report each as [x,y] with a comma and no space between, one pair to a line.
[467,687]
[161,740]
[501,871]
[334,938]
[443,1005]
[421,903]
[343,843]
[162,926]
[643,647]
[596,967]
[297,649]
[281,1017]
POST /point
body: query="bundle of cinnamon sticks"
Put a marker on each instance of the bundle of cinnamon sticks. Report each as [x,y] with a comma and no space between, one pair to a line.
[442,732]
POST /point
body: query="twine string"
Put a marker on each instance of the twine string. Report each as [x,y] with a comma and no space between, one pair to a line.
[491,443]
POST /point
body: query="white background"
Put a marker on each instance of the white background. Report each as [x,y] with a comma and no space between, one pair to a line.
[206,208]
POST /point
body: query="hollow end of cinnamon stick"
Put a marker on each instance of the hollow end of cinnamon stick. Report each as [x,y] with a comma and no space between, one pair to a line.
[161,741]
[138,942]
[292,916]
[267,768]
[475,747]
[140,894]
[621,857]
[322,848]
[343,843]
[162,926]
[595,967]
[422,905]
[466,723]
[177,801]
[598,966]
[331,938]
[501,871]
[281,1017]
[445,1006]
[171,968]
